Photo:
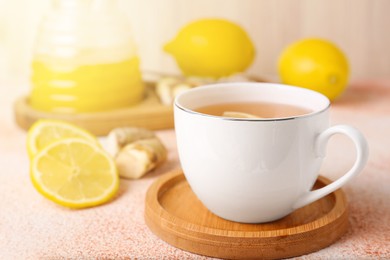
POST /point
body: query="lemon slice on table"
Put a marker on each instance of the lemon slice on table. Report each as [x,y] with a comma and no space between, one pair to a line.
[75,173]
[46,131]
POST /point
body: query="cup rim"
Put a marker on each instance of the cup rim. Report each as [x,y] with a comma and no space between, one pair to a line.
[243,84]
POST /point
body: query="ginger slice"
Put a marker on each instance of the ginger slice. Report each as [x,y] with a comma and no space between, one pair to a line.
[138,158]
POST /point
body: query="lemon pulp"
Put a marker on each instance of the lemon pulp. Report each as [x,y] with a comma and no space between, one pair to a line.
[75,173]
[58,87]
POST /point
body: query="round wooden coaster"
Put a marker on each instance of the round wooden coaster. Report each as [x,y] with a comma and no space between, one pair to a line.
[173,212]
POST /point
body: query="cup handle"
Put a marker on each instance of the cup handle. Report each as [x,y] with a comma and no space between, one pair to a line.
[320,150]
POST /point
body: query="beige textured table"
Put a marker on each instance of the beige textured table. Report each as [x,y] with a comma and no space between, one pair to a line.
[32,227]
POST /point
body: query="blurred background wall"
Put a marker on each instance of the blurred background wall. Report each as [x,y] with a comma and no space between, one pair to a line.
[361,28]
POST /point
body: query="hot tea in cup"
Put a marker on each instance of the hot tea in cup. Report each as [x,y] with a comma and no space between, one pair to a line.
[263,167]
[257,109]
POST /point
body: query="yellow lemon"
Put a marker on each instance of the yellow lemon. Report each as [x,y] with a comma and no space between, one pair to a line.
[316,64]
[46,131]
[75,173]
[212,48]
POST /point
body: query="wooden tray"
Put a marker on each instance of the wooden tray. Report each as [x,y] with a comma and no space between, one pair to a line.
[174,214]
[150,113]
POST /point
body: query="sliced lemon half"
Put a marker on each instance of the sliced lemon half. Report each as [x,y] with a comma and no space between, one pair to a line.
[75,173]
[46,131]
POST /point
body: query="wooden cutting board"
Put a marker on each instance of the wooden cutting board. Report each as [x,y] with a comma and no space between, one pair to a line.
[174,214]
[150,113]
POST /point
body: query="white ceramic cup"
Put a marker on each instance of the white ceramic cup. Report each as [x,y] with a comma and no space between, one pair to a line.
[257,170]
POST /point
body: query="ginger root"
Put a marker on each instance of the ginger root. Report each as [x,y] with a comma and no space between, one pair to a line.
[139,157]
[169,87]
[120,137]
[136,151]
